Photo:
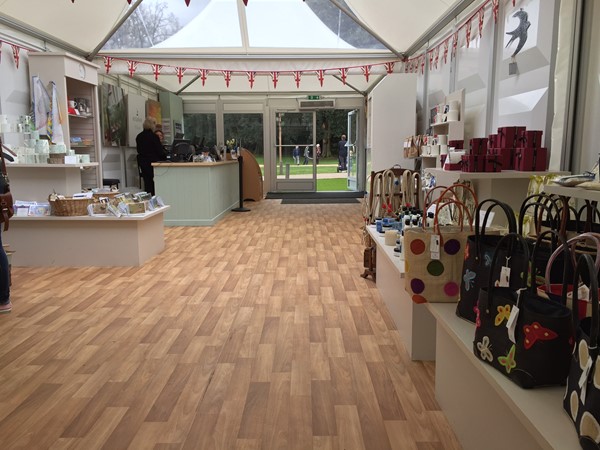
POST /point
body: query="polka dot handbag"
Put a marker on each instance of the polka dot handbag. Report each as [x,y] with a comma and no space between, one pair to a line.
[582,396]
[434,256]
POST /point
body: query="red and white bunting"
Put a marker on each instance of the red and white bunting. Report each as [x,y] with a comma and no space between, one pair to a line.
[366,70]
[446,44]
[514,3]
[156,68]
[179,71]
[454,44]
[297,77]
[275,77]
[468,32]
[495,6]
[389,67]
[422,64]
[480,15]
[321,76]
[343,74]
[227,76]
[15,51]
[245,2]
[430,53]
[436,58]
[131,67]
[187,2]
[108,63]
[0,51]
[203,75]
[251,78]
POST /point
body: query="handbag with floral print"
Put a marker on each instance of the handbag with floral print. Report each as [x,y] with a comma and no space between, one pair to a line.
[524,336]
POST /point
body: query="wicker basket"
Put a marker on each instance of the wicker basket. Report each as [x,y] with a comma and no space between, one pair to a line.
[70,206]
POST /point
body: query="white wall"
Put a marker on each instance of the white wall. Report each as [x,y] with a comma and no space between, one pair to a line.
[14,89]
[393,118]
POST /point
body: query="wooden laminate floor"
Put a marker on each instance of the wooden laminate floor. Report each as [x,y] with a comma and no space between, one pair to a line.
[258,333]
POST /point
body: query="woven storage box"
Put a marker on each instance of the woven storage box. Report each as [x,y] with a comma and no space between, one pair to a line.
[56,158]
[70,206]
[111,194]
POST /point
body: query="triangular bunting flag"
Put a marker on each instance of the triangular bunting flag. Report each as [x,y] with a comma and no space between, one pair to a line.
[481,17]
[343,74]
[389,67]
[0,51]
[495,7]
[454,44]
[203,74]
[297,76]
[251,78]
[131,66]
[468,32]
[245,2]
[179,72]
[108,63]
[275,76]
[366,70]
[446,44]
[187,2]
[227,75]
[321,76]
[156,68]
[430,52]
[436,58]
[15,50]
[422,64]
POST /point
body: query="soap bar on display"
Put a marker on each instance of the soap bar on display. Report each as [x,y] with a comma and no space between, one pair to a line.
[506,157]
[509,136]
[531,159]
[530,139]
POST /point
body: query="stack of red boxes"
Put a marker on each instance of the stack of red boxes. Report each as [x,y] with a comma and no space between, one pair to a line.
[530,155]
[475,160]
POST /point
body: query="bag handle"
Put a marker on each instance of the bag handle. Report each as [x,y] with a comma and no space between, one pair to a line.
[510,216]
[461,210]
[592,214]
[565,248]
[508,239]
[585,263]
[572,245]
[540,201]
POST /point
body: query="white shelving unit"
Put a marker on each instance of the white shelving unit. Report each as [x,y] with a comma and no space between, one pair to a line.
[415,323]
[74,78]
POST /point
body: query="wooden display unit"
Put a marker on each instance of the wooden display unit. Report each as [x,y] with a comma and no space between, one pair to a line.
[252,176]
[74,78]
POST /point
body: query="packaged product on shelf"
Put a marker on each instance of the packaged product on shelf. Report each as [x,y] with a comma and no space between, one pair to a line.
[531,159]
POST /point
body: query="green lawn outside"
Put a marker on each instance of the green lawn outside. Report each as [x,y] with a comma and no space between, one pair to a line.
[332,184]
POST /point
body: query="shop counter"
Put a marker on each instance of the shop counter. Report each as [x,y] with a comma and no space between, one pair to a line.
[200,194]
[85,241]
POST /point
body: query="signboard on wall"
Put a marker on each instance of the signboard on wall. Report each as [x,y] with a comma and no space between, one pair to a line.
[136,108]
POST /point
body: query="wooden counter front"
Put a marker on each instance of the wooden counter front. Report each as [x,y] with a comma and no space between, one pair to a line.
[199,193]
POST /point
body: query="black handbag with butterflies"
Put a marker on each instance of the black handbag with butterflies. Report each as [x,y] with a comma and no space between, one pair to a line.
[525,337]
[6,199]
[478,258]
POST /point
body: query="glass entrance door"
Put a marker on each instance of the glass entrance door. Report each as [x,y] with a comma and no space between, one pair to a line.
[352,150]
[294,160]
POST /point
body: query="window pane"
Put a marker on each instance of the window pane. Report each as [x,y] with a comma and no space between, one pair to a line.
[246,129]
[202,127]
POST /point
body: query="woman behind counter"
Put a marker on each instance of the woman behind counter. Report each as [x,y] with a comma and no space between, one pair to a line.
[149,149]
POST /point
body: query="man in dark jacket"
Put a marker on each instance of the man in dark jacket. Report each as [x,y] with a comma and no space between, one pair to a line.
[149,149]
[342,153]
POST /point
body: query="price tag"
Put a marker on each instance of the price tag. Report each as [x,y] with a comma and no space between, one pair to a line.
[434,246]
[511,324]
[583,292]
[504,277]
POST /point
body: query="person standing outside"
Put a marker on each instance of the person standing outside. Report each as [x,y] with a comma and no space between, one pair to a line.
[296,155]
[149,150]
[318,153]
[306,155]
[342,153]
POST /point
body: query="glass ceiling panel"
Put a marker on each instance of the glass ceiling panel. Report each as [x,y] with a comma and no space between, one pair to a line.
[165,24]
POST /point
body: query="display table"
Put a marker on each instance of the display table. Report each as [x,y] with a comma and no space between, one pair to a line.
[35,182]
[84,241]
[573,192]
[487,410]
[199,194]
[415,323]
